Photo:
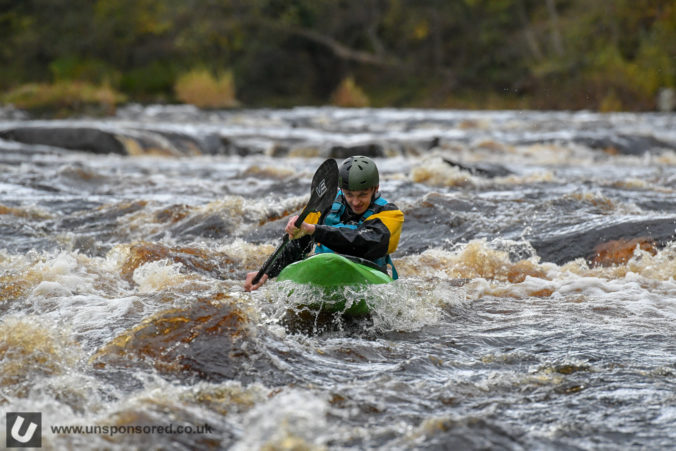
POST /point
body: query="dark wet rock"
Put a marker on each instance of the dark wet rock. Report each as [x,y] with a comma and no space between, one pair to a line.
[566,247]
[411,148]
[279,150]
[372,150]
[621,251]
[625,144]
[269,232]
[206,226]
[438,220]
[72,138]
[158,142]
[122,141]
[102,218]
[212,144]
[193,259]
[211,339]
[488,170]
[171,143]
[231,147]
[658,205]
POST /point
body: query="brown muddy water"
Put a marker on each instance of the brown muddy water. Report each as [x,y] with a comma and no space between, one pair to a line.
[535,307]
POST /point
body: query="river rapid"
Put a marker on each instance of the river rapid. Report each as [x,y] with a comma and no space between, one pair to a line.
[535,307]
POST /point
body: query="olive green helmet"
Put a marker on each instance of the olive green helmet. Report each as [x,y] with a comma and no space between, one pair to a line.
[358,173]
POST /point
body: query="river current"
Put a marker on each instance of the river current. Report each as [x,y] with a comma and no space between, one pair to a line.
[535,307]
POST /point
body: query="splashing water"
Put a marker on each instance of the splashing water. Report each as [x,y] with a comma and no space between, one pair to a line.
[534,309]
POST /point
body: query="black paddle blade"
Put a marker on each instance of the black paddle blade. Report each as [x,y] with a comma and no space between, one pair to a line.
[323,192]
[324,189]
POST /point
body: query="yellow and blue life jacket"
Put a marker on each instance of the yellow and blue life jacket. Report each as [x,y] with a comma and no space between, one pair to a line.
[333,219]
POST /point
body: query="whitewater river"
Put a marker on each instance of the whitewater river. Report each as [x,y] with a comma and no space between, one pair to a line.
[536,305]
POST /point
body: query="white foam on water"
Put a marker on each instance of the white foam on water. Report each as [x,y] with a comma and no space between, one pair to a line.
[88,295]
[620,317]
[435,172]
[95,320]
[410,305]
[294,419]
[48,288]
[397,306]
[34,348]
[158,275]
[74,399]
[644,285]
[251,256]
[65,270]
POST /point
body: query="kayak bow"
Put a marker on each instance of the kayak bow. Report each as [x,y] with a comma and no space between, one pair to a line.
[332,272]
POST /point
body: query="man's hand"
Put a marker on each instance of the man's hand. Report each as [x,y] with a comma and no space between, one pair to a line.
[295,232]
[248,283]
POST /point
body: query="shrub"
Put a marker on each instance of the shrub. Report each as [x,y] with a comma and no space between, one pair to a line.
[348,94]
[198,87]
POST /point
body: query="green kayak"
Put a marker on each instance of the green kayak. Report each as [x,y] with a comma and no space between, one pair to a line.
[332,273]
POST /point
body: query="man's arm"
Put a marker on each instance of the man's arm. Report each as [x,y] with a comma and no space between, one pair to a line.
[376,237]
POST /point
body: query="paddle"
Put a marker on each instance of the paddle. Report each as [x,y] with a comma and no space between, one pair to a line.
[322,194]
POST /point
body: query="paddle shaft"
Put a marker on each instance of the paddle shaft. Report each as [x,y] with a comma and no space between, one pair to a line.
[322,193]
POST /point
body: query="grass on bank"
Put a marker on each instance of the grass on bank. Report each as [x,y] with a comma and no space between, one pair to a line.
[70,97]
[65,98]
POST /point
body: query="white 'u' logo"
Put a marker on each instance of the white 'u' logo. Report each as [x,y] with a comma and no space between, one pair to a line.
[26,436]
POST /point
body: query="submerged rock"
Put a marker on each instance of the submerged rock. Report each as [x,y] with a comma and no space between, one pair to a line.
[620,251]
[625,144]
[206,225]
[122,141]
[372,150]
[71,138]
[488,170]
[592,244]
[211,339]
[193,259]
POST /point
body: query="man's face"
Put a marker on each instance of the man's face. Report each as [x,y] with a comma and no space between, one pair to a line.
[359,201]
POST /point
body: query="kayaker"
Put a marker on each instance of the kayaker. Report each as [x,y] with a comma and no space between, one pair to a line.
[360,223]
